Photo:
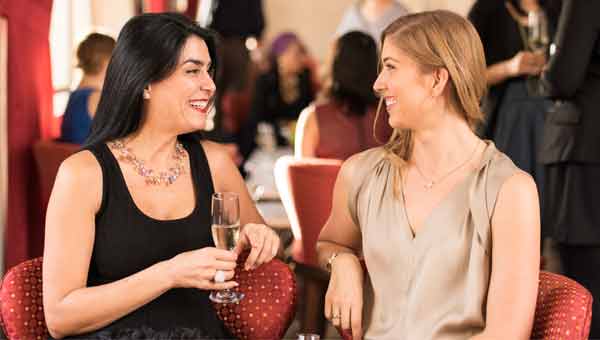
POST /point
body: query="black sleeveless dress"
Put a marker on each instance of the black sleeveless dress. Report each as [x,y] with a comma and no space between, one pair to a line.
[128,241]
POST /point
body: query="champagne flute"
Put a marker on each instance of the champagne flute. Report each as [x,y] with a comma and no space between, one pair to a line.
[537,42]
[225,232]
[537,37]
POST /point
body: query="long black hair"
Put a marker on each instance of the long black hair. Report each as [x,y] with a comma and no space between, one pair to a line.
[147,50]
[354,70]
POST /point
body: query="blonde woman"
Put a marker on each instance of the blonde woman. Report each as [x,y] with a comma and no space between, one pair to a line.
[448,226]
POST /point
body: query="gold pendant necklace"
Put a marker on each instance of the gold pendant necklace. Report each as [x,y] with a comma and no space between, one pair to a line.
[167,177]
[429,183]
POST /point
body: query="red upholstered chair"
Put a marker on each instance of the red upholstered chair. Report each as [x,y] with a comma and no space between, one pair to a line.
[265,313]
[48,155]
[306,189]
[563,310]
[268,306]
[21,309]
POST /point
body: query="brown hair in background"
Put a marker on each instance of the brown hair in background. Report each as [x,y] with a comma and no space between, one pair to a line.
[93,51]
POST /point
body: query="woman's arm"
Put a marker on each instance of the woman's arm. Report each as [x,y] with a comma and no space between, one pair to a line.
[262,240]
[578,31]
[307,133]
[226,177]
[515,260]
[523,63]
[482,15]
[342,237]
[72,308]
[339,234]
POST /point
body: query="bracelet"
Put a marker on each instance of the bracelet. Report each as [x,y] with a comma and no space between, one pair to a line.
[330,260]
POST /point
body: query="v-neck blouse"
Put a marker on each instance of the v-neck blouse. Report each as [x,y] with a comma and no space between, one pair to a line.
[432,285]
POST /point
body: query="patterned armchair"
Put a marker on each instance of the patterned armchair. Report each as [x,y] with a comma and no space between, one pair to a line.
[265,313]
[563,310]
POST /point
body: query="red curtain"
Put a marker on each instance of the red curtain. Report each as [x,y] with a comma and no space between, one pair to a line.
[29,119]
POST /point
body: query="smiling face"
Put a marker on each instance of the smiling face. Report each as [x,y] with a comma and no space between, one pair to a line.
[180,102]
[407,90]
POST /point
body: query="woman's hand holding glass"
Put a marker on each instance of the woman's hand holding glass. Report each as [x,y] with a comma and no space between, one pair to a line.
[262,241]
[344,298]
[526,63]
[197,269]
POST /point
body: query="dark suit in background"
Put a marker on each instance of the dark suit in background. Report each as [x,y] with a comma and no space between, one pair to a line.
[571,147]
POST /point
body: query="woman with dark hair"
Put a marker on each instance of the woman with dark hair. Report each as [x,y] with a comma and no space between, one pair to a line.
[281,93]
[347,113]
[93,54]
[128,249]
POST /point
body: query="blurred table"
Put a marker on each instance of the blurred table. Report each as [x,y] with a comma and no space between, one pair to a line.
[274,214]
[261,184]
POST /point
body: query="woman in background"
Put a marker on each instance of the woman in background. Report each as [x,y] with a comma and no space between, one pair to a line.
[514,112]
[281,93]
[342,122]
[371,16]
[93,55]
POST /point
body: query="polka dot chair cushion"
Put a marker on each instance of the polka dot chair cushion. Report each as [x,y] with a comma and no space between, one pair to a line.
[265,313]
[21,307]
[563,310]
[269,303]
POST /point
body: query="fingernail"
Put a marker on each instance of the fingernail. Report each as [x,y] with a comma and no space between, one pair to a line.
[235,284]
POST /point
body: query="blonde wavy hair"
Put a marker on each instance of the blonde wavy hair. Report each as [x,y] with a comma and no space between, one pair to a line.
[440,39]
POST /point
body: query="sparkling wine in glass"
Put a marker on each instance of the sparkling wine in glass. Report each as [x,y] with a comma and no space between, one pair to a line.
[225,232]
[537,33]
[537,42]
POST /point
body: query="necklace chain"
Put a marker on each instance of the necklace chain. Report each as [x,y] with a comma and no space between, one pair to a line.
[167,177]
[429,183]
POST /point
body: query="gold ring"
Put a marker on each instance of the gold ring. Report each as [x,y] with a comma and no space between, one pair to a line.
[336,316]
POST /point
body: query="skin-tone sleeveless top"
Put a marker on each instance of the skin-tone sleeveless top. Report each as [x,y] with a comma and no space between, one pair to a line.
[433,285]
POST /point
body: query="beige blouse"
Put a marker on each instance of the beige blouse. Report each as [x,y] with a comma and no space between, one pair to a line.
[433,285]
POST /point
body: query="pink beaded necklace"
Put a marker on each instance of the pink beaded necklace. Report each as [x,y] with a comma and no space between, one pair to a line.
[167,177]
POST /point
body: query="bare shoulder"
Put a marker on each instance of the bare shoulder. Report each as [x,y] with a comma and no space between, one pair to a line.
[81,167]
[93,101]
[80,177]
[517,205]
[362,161]
[218,155]
[307,114]
[519,185]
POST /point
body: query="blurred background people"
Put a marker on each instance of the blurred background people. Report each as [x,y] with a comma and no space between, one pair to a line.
[93,55]
[514,112]
[341,123]
[371,17]
[240,25]
[281,93]
[570,148]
